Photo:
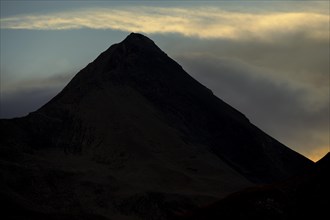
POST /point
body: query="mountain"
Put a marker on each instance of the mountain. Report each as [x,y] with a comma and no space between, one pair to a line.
[305,196]
[133,136]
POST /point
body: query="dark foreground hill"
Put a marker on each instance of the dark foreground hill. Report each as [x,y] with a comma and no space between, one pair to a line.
[306,196]
[133,136]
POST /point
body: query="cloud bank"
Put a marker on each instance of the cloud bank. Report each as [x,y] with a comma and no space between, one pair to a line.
[20,98]
[201,22]
[281,108]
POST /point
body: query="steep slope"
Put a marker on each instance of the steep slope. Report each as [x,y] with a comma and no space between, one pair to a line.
[134,135]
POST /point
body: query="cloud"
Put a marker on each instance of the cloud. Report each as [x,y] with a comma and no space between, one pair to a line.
[284,109]
[25,100]
[21,97]
[35,83]
[200,22]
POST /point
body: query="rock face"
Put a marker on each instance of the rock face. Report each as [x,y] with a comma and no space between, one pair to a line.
[133,136]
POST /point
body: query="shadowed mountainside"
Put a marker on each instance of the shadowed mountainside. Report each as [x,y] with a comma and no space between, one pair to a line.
[133,136]
[301,197]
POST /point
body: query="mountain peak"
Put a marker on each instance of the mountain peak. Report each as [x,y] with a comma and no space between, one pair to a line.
[138,43]
[134,47]
[134,37]
[139,66]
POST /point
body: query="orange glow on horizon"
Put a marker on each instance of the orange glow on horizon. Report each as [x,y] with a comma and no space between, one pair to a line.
[318,153]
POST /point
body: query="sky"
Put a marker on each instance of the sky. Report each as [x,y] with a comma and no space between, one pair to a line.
[268,59]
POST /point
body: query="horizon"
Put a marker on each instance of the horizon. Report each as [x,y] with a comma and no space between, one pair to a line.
[275,70]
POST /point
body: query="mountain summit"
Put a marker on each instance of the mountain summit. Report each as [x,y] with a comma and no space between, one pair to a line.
[134,136]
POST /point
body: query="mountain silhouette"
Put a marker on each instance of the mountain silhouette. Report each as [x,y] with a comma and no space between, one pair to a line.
[133,136]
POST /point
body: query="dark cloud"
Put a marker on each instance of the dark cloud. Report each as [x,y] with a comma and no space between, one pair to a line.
[281,85]
[294,56]
[304,59]
[282,108]
[22,97]
[21,102]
